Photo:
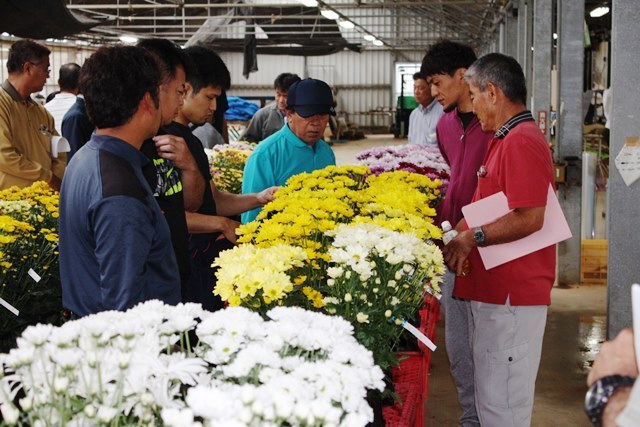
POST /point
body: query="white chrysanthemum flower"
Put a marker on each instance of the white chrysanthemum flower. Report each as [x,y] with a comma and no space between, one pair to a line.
[106,414]
[60,384]
[335,272]
[90,411]
[21,356]
[37,335]
[270,368]
[10,414]
[174,417]
[362,318]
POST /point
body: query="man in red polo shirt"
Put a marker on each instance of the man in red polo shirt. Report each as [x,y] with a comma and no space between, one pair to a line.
[509,302]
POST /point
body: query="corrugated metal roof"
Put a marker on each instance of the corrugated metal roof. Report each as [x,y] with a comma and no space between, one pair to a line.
[395,25]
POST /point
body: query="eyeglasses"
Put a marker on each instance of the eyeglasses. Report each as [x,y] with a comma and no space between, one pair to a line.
[46,70]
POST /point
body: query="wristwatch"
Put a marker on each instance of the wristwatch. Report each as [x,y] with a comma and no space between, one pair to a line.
[599,394]
[478,236]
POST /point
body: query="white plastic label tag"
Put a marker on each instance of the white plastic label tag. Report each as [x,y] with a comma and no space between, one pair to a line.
[9,307]
[416,333]
[34,275]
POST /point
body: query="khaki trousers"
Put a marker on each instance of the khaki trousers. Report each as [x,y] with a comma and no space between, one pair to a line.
[507,344]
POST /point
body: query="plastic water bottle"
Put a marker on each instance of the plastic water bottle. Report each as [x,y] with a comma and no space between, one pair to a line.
[450,234]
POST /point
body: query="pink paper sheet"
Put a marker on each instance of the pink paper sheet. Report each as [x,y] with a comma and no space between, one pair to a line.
[487,210]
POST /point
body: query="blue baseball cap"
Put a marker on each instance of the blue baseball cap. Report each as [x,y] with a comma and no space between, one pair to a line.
[309,97]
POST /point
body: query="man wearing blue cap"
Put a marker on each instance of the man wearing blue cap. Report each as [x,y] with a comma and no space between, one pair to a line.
[297,147]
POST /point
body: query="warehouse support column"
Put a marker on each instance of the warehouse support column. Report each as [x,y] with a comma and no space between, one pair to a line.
[525,39]
[623,206]
[542,51]
[569,136]
[511,32]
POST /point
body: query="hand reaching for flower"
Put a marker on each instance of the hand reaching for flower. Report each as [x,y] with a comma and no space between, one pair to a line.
[266,196]
[227,227]
[199,223]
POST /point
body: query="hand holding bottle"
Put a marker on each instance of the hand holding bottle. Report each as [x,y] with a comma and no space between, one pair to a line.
[450,234]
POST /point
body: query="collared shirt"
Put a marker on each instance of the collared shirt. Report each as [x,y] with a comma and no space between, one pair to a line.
[277,159]
[115,247]
[514,121]
[520,166]
[25,141]
[422,124]
[59,106]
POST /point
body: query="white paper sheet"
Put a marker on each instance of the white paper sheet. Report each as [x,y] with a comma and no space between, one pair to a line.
[628,160]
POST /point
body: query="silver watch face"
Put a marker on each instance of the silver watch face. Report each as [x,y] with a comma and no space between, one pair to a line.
[593,398]
[478,236]
[599,394]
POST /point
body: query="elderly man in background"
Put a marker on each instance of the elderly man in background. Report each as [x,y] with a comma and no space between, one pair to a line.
[508,302]
[297,147]
[424,118]
[62,102]
[25,126]
[270,119]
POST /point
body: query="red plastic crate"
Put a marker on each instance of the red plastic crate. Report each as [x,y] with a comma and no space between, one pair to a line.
[411,378]
[407,384]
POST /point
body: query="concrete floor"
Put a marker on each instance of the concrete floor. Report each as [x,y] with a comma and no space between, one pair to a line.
[576,326]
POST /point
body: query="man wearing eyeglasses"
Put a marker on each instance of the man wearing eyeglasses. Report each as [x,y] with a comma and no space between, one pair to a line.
[297,147]
[25,126]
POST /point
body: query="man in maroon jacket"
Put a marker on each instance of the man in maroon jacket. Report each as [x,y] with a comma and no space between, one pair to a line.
[463,145]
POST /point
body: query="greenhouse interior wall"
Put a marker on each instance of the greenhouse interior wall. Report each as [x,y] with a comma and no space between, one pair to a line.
[363,82]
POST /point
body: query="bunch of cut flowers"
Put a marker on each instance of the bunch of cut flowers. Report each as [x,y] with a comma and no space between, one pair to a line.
[375,278]
[183,366]
[312,203]
[422,159]
[29,278]
[340,206]
[227,165]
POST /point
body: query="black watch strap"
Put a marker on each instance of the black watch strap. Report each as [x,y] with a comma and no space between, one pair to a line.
[599,394]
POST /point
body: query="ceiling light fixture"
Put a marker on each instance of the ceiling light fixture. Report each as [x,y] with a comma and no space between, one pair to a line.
[345,23]
[309,3]
[377,42]
[329,14]
[599,11]
[369,37]
[128,39]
